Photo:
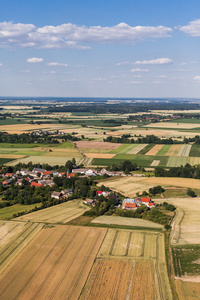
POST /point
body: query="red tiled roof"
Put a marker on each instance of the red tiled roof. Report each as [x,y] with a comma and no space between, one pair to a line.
[36,184]
[9,174]
[146,199]
[130,205]
[46,173]
[99,192]
[150,204]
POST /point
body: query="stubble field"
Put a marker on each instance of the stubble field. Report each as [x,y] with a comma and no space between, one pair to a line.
[61,213]
[55,265]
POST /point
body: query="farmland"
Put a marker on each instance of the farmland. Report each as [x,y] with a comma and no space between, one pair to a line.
[126,222]
[54,262]
[7,213]
[109,274]
[146,249]
[14,238]
[61,213]
[186,227]
[129,186]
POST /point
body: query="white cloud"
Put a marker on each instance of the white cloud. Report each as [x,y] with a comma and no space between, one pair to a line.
[192,29]
[56,64]
[137,76]
[74,36]
[98,79]
[197,78]
[139,70]
[124,63]
[158,61]
[1,65]
[34,60]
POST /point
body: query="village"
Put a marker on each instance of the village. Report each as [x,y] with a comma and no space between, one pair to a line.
[39,177]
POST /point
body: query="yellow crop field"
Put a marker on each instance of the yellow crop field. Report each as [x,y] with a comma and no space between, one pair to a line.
[61,213]
[14,237]
[127,186]
[115,220]
[146,251]
[173,125]
[187,290]
[50,160]
[186,224]
[99,155]
[54,265]
[173,150]
[154,150]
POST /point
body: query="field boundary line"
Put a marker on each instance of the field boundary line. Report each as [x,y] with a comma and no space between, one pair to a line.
[128,244]
[130,281]
[143,244]
[113,243]
[9,230]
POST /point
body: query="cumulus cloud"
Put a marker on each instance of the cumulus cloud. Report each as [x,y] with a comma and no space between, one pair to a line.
[197,78]
[34,60]
[74,36]
[124,63]
[158,61]
[193,28]
[56,64]
[139,70]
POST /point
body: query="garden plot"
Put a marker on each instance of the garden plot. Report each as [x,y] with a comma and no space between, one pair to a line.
[185,150]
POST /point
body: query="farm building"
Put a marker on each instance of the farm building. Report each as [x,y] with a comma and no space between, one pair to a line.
[56,195]
[89,201]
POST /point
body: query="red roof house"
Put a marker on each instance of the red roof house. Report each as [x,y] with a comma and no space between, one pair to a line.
[146,199]
[130,206]
[36,184]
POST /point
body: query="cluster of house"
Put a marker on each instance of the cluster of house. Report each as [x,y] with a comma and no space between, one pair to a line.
[133,204]
[98,193]
[41,132]
[92,172]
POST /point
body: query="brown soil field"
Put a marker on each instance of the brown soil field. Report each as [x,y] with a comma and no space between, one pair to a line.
[109,280]
[173,150]
[97,145]
[154,150]
[143,284]
[54,265]
[12,156]
[99,155]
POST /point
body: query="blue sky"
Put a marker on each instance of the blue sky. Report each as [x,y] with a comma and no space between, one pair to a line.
[100,48]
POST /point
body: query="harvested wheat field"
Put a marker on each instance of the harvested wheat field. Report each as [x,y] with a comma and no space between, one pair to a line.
[137,149]
[154,150]
[97,145]
[99,155]
[129,186]
[61,213]
[109,279]
[155,163]
[186,225]
[124,244]
[173,150]
[115,220]
[173,125]
[55,265]
[14,237]
[185,150]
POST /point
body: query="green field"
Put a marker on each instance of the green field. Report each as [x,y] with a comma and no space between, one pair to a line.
[124,149]
[51,160]
[190,121]
[186,260]
[146,149]
[7,212]
[195,151]
[9,121]
[140,160]
[163,150]
[66,145]
[5,160]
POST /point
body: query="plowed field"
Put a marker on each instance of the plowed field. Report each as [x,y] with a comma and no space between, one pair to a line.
[154,150]
[54,265]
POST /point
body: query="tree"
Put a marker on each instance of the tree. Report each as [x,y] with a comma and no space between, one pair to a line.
[191,193]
